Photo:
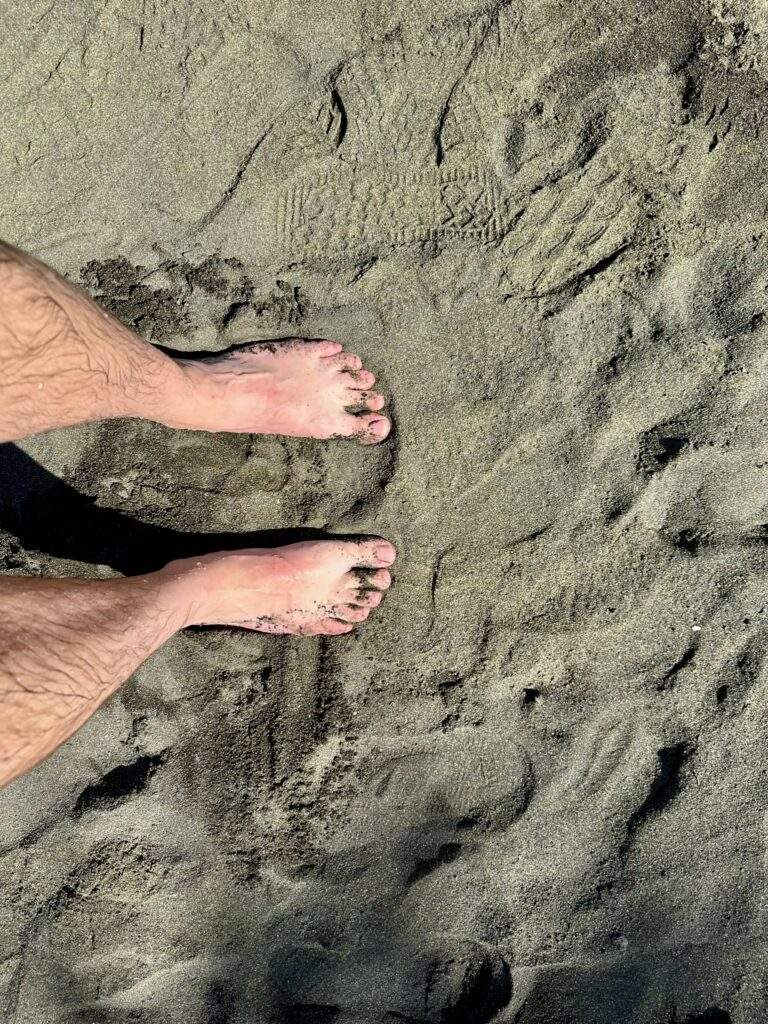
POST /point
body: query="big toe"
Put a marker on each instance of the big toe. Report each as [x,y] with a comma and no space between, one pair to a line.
[372,428]
[375,553]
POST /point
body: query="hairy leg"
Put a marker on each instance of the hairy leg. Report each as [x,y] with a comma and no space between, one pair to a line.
[67,645]
[63,360]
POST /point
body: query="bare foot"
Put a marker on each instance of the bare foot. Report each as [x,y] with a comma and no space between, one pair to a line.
[313,587]
[295,388]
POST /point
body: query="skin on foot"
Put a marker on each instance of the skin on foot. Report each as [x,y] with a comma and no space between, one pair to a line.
[324,587]
[295,388]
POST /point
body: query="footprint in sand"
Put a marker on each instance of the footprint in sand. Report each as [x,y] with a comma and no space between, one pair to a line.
[444,980]
[471,778]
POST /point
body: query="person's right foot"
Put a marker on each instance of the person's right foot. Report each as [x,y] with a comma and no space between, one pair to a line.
[323,587]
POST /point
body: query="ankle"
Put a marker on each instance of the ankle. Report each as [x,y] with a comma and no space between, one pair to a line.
[210,394]
[191,588]
[159,391]
[175,592]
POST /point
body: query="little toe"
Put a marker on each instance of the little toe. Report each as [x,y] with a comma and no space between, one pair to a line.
[316,628]
[361,401]
[351,613]
[372,428]
[334,627]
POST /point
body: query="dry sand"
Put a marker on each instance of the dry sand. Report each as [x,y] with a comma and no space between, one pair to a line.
[532,789]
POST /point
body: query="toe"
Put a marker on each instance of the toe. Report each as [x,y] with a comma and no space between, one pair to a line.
[369,598]
[346,361]
[362,400]
[351,613]
[372,428]
[381,579]
[324,347]
[368,579]
[334,627]
[359,380]
[371,554]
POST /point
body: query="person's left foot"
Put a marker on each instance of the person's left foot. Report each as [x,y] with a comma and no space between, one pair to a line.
[294,388]
[310,588]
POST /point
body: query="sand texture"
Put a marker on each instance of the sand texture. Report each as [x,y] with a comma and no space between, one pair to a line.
[532,789]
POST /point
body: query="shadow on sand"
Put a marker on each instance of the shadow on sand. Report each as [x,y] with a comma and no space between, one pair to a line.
[46,515]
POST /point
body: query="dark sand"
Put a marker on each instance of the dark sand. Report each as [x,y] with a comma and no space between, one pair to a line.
[533,788]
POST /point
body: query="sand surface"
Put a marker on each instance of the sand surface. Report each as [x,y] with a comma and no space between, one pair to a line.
[533,788]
